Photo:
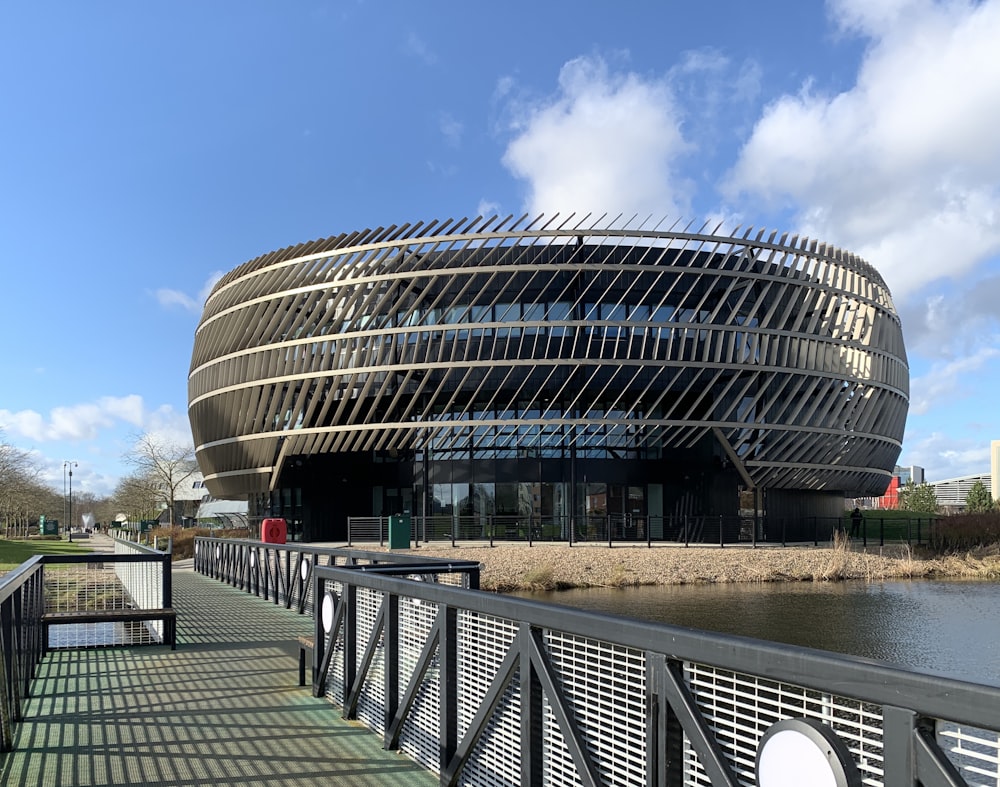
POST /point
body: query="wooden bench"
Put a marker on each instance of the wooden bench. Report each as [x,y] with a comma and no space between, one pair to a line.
[168,616]
[306,645]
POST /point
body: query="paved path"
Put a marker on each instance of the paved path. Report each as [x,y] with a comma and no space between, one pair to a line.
[224,709]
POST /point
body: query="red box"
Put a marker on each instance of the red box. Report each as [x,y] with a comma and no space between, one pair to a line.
[274,531]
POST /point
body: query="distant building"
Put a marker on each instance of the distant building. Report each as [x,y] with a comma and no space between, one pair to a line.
[995,469]
[187,498]
[952,493]
[913,473]
[889,500]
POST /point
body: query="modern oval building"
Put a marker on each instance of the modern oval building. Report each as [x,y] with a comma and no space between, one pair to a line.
[487,371]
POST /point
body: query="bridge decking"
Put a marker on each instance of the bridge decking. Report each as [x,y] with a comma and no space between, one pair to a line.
[224,708]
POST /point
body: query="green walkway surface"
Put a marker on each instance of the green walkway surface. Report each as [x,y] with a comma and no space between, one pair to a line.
[224,709]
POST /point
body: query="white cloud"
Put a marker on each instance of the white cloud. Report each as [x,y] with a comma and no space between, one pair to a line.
[168,298]
[487,208]
[604,142]
[944,456]
[87,420]
[903,167]
[418,48]
[169,426]
[945,383]
[451,129]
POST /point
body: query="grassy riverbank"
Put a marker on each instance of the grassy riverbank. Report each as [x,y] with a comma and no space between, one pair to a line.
[15,551]
[508,567]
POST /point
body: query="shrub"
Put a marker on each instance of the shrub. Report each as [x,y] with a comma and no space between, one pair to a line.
[183,537]
[965,531]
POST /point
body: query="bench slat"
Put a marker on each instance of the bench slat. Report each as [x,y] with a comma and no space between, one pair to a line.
[102,615]
[168,616]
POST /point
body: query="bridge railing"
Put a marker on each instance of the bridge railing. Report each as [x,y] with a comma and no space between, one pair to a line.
[482,688]
[283,573]
[77,601]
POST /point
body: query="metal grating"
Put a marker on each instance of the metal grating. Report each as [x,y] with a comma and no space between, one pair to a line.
[605,686]
[739,709]
[975,752]
[371,704]
[483,641]
[421,732]
[99,586]
[597,694]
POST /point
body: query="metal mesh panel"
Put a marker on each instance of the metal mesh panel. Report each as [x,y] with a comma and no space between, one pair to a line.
[483,641]
[604,686]
[739,708]
[420,737]
[371,704]
[92,587]
[975,752]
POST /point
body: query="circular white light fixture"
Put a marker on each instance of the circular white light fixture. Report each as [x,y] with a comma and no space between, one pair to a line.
[218,553]
[253,559]
[329,606]
[794,752]
[304,569]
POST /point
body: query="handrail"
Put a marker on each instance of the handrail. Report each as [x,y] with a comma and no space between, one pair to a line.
[24,627]
[618,690]
[282,573]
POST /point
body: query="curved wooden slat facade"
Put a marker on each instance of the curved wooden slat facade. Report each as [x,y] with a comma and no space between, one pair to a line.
[549,351]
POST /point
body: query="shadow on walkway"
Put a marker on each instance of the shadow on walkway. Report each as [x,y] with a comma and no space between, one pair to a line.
[224,708]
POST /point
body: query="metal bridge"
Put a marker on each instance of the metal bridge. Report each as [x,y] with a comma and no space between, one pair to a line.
[442,684]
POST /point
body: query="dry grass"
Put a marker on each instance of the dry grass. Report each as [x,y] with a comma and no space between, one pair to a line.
[510,567]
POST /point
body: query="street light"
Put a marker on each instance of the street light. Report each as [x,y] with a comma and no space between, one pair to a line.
[69,518]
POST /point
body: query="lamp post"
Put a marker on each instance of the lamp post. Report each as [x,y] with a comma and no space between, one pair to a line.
[69,518]
[64,518]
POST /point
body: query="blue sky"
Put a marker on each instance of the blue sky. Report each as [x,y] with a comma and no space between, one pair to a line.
[147,148]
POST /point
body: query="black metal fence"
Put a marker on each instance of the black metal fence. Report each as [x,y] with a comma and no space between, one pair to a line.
[103,600]
[482,688]
[627,530]
[283,573]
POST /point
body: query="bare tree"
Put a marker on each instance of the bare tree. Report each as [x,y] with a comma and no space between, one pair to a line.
[137,497]
[22,498]
[164,465]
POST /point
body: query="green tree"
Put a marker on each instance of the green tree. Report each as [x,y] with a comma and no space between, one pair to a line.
[979,500]
[918,498]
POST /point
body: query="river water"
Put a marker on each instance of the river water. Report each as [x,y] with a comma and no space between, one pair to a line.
[948,627]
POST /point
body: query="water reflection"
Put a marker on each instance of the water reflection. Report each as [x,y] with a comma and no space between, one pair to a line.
[942,626]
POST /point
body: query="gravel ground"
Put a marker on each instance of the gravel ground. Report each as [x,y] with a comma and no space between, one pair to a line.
[545,566]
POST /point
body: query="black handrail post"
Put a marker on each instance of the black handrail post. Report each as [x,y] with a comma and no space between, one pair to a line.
[881,531]
[722,541]
[607,520]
